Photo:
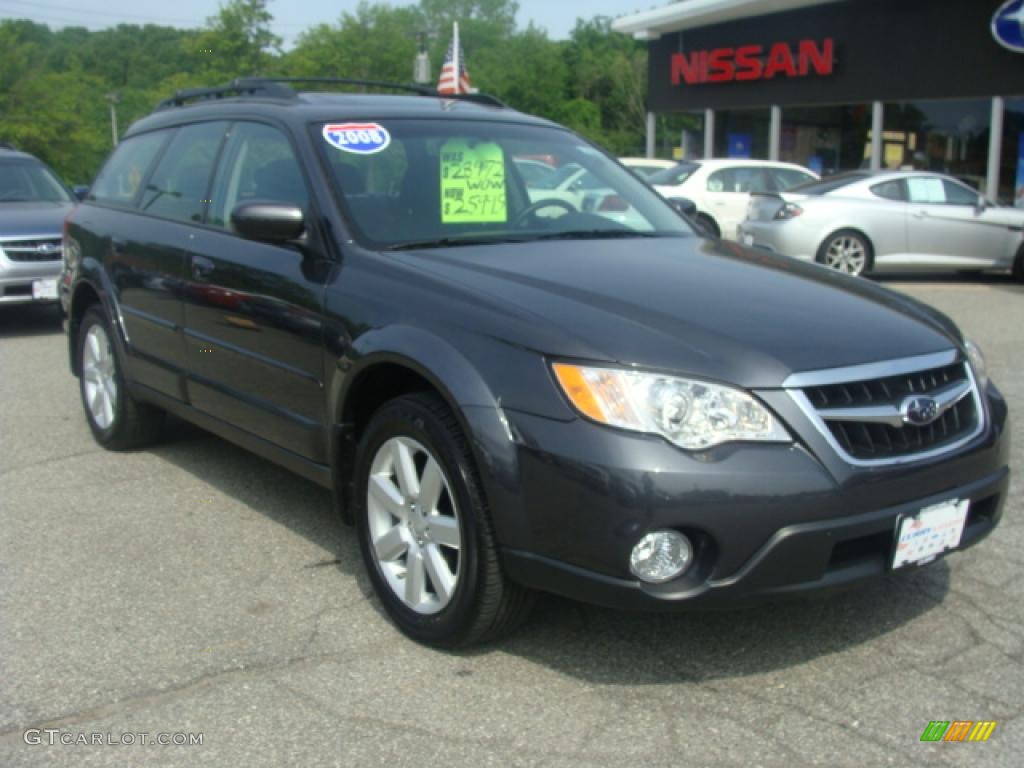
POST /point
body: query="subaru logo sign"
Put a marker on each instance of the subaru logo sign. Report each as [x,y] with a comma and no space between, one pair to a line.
[919,411]
[357,138]
[46,249]
[1008,25]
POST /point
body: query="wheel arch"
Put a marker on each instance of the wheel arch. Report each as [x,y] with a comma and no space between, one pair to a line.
[84,296]
[834,230]
[391,362]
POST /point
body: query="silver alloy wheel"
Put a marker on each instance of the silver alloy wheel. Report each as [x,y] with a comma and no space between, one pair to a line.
[414,525]
[98,377]
[847,254]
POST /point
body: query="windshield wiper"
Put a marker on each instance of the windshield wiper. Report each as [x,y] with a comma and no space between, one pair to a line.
[447,242]
[601,234]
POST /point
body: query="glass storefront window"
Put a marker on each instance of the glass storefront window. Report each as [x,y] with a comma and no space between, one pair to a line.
[1011,164]
[944,136]
[827,140]
[742,133]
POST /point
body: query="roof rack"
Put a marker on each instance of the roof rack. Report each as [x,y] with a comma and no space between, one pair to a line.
[243,86]
[280,88]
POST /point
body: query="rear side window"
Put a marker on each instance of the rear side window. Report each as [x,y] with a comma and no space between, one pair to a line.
[120,178]
[177,188]
[890,190]
[738,180]
[258,164]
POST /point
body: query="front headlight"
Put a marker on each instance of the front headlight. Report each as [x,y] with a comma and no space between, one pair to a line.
[977,360]
[692,414]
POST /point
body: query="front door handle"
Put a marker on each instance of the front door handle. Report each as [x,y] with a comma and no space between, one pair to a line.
[202,267]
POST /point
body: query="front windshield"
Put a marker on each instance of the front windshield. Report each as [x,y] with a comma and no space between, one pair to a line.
[28,182]
[674,176]
[414,183]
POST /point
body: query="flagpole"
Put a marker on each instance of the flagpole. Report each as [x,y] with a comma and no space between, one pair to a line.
[455,56]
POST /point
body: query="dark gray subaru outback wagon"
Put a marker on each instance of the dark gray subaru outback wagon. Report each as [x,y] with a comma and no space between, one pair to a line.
[514,387]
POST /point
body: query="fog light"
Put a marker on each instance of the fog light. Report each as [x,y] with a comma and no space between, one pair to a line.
[660,556]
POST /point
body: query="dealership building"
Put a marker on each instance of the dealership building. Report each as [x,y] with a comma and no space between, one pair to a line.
[836,85]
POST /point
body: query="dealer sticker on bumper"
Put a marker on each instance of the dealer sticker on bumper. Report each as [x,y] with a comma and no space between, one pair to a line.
[44,289]
[929,533]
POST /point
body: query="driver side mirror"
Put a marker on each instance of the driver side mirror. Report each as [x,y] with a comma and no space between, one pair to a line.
[684,206]
[981,204]
[81,191]
[275,223]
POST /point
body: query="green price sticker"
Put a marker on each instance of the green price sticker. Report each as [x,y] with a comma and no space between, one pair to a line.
[472,183]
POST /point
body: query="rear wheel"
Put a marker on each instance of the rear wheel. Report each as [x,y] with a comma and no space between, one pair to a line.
[709,224]
[117,420]
[846,251]
[425,531]
[1018,266]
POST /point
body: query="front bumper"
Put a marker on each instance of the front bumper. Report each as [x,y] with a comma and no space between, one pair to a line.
[765,519]
[17,277]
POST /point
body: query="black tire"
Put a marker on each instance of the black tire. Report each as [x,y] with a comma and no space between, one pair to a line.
[852,235]
[135,424]
[709,225]
[1018,266]
[484,604]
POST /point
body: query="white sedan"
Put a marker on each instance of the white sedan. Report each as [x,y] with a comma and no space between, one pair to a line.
[721,188]
[862,221]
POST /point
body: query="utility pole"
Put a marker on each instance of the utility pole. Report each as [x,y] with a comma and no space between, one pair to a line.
[421,64]
[114,98]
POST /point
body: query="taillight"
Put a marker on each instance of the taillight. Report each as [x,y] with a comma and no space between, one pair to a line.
[613,203]
[788,211]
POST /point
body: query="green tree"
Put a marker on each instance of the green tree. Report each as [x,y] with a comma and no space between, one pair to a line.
[237,41]
[377,42]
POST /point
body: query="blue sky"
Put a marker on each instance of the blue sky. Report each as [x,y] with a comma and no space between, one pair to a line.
[290,16]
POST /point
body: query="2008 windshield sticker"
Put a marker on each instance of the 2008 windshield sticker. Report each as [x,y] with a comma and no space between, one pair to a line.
[357,138]
[472,183]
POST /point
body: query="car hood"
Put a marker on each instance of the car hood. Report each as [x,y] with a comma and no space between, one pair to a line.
[26,220]
[689,305]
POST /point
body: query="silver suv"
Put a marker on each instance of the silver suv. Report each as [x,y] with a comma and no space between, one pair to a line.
[33,205]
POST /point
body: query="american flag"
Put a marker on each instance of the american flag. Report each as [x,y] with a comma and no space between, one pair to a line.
[446,83]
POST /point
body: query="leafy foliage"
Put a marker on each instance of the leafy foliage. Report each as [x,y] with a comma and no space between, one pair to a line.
[56,86]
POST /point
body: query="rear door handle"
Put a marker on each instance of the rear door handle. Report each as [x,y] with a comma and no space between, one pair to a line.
[202,267]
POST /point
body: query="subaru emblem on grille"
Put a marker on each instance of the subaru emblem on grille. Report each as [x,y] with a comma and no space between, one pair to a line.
[919,411]
[47,248]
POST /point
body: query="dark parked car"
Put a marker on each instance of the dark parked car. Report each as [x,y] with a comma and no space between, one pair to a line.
[33,204]
[360,288]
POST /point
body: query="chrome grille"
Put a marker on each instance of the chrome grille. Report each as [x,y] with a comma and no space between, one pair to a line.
[42,249]
[897,416]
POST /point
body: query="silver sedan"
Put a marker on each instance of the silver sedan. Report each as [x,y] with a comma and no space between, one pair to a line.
[896,221]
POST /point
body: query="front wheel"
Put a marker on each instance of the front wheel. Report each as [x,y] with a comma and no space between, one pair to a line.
[846,251]
[424,528]
[117,420]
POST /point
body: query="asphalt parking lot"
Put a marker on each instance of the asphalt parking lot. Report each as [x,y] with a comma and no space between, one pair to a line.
[198,589]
